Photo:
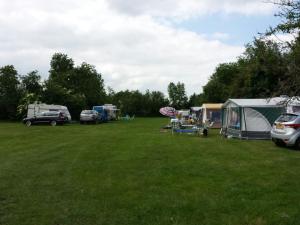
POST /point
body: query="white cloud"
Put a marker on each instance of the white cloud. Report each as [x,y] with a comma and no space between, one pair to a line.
[188,8]
[281,38]
[131,51]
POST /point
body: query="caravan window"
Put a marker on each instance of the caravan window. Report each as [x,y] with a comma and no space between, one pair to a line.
[234,118]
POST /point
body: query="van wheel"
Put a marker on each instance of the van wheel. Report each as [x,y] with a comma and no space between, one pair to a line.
[28,123]
[53,123]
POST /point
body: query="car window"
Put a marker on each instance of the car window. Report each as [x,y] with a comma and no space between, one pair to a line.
[287,118]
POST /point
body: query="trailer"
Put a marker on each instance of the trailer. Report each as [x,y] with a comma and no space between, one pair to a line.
[37,108]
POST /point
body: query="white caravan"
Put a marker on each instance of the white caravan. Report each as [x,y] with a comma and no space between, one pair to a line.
[36,108]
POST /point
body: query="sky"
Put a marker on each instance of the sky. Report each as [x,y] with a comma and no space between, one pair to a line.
[134,44]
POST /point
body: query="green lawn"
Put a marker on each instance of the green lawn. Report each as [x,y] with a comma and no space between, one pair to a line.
[131,173]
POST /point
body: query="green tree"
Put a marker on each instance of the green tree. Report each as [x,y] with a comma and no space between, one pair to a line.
[221,84]
[177,95]
[196,100]
[9,92]
[87,81]
[31,83]
[56,94]
[76,87]
[61,68]
[290,17]
[262,67]
[290,83]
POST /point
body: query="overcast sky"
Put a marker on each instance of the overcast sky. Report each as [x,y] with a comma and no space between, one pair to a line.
[135,44]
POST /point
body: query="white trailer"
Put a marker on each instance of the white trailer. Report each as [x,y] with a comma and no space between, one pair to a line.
[37,108]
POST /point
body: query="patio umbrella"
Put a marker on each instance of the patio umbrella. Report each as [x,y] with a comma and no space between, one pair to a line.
[168,111]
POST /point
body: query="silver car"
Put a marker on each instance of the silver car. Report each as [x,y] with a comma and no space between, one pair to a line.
[89,116]
[286,130]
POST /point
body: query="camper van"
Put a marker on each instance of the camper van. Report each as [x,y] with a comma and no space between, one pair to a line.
[102,112]
[106,112]
[37,108]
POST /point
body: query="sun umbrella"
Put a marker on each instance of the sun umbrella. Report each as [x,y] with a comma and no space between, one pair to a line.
[168,111]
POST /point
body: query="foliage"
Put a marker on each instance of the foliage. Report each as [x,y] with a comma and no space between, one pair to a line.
[290,17]
[10,93]
[196,100]
[31,83]
[137,103]
[177,95]
[259,73]
[290,83]
[87,81]
[27,98]
[78,87]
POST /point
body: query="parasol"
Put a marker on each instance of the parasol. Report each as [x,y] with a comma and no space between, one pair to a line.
[168,111]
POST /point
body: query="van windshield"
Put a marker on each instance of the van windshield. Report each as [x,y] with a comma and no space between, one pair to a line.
[287,118]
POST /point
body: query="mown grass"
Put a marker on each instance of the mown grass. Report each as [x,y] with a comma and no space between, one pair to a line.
[131,173]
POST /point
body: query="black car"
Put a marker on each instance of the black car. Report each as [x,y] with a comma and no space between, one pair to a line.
[51,117]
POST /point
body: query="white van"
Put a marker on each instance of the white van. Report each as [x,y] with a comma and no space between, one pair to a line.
[37,108]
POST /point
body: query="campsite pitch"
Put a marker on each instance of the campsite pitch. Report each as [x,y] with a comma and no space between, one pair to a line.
[128,172]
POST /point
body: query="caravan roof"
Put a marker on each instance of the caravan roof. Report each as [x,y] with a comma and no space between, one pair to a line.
[256,102]
[196,108]
[212,105]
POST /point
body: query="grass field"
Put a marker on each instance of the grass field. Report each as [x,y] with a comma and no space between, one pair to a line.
[130,173]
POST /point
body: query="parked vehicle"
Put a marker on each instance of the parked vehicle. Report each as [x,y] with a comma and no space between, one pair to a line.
[286,130]
[111,111]
[89,116]
[49,117]
[37,108]
[106,112]
[103,113]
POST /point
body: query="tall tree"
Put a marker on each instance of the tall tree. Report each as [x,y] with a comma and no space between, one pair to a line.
[177,95]
[290,17]
[77,87]
[31,83]
[86,80]
[9,92]
[221,84]
[61,68]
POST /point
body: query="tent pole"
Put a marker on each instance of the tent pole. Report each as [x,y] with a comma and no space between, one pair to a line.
[245,123]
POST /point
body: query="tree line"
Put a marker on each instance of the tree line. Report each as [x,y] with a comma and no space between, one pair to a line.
[77,87]
[268,67]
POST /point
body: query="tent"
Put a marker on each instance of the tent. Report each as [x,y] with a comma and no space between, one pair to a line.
[250,118]
[212,112]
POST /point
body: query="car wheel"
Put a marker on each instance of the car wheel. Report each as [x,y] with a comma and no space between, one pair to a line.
[28,123]
[279,143]
[53,123]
